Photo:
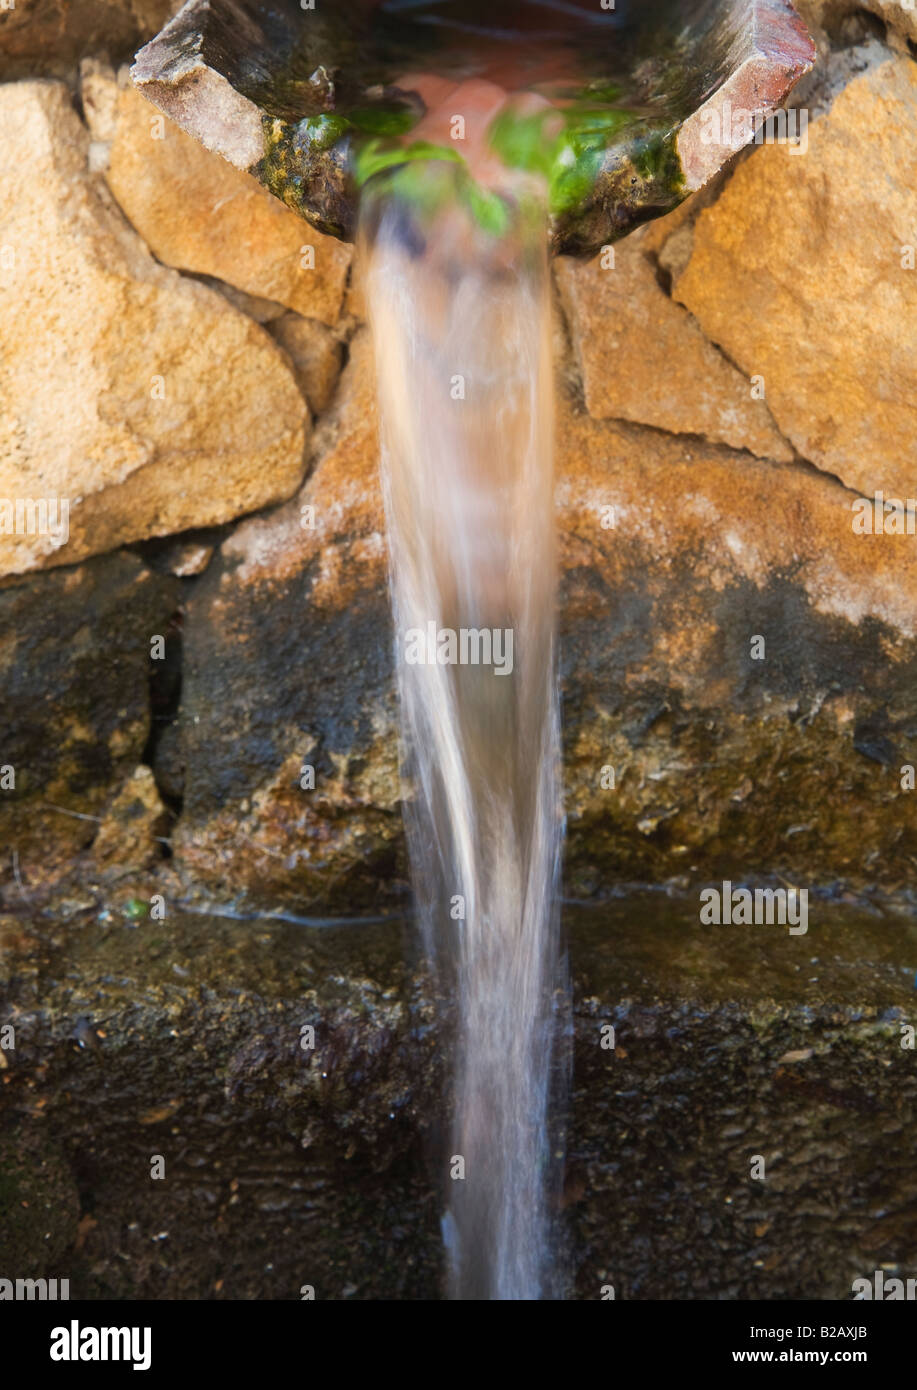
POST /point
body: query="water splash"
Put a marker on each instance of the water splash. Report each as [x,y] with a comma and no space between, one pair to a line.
[460,314]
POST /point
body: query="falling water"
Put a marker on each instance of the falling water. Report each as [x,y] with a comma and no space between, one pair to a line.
[460,314]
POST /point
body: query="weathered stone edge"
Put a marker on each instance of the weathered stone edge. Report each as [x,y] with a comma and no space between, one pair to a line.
[781,52]
[171,71]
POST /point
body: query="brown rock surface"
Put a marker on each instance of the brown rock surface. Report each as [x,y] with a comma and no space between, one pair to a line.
[127,841]
[229,226]
[141,398]
[643,357]
[51,36]
[287,642]
[899,15]
[799,272]
[316,354]
[677,554]
[75,675]
[723,763]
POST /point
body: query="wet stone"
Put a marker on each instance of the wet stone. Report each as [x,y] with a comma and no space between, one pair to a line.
[728,1042]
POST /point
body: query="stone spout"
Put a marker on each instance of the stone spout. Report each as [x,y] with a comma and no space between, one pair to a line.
[640,105]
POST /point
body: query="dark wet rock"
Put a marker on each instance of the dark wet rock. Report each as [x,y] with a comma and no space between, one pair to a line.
[39,1199]
[722,642]
[733,1042]
[75,668]
[691,748]
[298,98]
[51,36]
[289,667]
[286,1166]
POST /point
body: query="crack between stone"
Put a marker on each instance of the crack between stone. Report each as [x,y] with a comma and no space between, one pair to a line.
[799,460]
[740,455]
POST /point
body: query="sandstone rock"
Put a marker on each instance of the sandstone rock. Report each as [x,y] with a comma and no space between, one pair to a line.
[261,310]
[196,212]
[316,354]
[800,272]
[75,672]
[121,383]
[643,358]
[723,763]
[899,15]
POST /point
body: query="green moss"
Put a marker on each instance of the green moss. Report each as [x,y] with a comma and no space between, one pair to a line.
[565,147]
[657,159]
[407,177]
[307,166]
[488,210]
[587,155]
[321,132]
[379,155]
[379,120]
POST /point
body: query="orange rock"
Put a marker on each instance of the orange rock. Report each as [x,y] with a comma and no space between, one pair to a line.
[644,358]
[801,272]
[196,212]
[136,396]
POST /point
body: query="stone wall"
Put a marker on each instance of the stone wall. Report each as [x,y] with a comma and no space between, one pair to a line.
[186,362]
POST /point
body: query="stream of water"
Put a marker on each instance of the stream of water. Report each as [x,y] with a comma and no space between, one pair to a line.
[517,109]
[461,321]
